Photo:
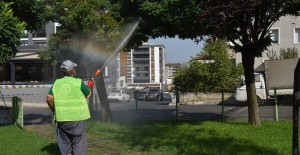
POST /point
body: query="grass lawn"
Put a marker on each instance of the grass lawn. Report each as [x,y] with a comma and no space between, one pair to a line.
[169,137]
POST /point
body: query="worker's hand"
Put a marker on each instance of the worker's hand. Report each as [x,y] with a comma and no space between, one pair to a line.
[91,83]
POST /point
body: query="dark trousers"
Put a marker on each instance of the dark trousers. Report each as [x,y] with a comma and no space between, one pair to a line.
[72,137]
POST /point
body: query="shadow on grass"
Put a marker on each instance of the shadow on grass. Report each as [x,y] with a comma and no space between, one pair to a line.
[184,137]
[52,148]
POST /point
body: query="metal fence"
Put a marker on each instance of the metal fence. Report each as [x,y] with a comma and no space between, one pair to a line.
[188,106]
[11,111]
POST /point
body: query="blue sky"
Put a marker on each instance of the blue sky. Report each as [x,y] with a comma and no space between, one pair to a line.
[177,50]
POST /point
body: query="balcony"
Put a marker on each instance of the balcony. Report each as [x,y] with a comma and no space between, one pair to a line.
[144,78]
[39,35]
[141,71]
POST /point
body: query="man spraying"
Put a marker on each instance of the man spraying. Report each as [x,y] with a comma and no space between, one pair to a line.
[67,100]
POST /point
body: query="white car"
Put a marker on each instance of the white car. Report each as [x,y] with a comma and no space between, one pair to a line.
[119,94]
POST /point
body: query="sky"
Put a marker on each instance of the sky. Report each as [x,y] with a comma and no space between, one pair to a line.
[177,50]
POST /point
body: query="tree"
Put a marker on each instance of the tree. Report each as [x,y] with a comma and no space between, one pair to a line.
[11,30]
[244,23]
[33,12]
[89,32]
[17,16]
[215,72]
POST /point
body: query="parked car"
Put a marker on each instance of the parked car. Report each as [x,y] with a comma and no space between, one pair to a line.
[120,95]
[166,94]
[155,94]
[142,95]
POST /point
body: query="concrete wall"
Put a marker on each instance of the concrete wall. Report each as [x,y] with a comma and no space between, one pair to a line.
[198,97]
[28,93]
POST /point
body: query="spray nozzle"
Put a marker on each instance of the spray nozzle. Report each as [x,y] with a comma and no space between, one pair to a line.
[98,71]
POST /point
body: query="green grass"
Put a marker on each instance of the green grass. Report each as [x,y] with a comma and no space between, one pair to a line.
[16,141]
[165,138]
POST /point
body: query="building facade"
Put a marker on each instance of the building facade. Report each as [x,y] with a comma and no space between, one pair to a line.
[171,69]
[145,66]
[137,68]
[26,66]
[285,34]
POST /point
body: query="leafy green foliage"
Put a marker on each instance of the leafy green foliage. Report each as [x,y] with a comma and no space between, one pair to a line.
[33,12]
[11,30]
[214,73]
[85,25]
[288,53]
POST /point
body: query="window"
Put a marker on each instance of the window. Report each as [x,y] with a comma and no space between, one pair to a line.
[57,29]
[274,35]
[121,83]
[40,33]
[297,35]
[257,78]
[142,49]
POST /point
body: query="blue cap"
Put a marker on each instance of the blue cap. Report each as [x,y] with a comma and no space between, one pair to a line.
[68,65]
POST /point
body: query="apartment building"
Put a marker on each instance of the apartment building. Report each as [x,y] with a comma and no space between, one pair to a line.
[285,34]
[143,67]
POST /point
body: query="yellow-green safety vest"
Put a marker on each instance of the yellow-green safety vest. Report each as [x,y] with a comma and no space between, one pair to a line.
[69,102]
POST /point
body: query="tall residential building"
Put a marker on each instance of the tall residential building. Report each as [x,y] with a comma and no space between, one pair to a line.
[143,66]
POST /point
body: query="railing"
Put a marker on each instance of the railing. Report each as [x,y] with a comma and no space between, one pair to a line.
[12,112]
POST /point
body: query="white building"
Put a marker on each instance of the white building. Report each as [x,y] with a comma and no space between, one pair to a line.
[141,67]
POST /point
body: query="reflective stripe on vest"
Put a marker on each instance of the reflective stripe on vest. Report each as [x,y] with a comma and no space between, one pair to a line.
[69,102]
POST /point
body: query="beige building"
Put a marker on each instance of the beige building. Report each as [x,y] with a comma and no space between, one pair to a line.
[285,34]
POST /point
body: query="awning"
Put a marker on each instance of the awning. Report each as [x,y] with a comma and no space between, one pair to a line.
[29,52]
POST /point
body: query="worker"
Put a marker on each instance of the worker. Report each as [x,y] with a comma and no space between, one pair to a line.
[67,101]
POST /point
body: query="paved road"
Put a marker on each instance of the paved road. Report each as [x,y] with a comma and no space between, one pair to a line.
[40,113]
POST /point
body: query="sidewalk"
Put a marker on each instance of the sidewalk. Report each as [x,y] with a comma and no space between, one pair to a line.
[34,113]
[5,115]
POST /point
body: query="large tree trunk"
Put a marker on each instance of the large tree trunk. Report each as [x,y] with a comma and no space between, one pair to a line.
[296,101]
[253,112]
[105,110]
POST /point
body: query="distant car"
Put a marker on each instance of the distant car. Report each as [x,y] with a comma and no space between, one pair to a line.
[155,94]
[142,95]
[120,95]
[166,94]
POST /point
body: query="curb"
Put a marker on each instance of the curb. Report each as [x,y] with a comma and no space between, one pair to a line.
[205,102]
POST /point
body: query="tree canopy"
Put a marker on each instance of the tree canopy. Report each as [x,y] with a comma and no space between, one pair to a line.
[17,16]
[89,32]
[11,30]
[33,12]
[213,72]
